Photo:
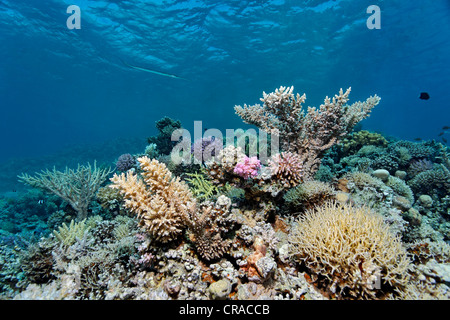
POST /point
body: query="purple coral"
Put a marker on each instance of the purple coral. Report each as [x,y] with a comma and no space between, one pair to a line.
[125,162]
[247,167]
[206,148]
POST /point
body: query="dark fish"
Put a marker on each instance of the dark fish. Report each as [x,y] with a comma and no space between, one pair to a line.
[424,96]
[445,140]
[418,139]
[445,127]
[440,134]
[14,190]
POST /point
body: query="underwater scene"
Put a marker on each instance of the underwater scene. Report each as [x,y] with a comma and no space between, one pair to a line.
[225,150]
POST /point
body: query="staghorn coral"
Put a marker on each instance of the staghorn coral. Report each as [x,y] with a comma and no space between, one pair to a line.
[354,256]
[201,187]
[125,162]
[67,235]
[310,134]
[162,202]
[209,227]
[77,187]
[287,168]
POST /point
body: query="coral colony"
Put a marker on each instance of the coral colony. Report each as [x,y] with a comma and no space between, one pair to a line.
[306,208]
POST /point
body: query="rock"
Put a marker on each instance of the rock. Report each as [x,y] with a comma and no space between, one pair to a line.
[400,174]
[402,203]
[381,174]
[425,201]
[220,290]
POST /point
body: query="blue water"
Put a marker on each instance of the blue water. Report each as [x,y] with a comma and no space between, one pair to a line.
[61,87]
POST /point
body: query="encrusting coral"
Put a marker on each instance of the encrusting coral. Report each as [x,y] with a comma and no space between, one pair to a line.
[162,202]
[310,134]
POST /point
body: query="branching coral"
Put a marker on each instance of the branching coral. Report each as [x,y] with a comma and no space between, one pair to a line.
[67,235]
[287,168]
[351,251]
[248,167]
[162,202]
[77,187]
[310,134]
[309,194]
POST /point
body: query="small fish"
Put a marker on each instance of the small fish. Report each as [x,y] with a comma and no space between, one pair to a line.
[418,139]
[14,190]
[440,134]
[445,140]
[41,202]
[424,96]
[445,127]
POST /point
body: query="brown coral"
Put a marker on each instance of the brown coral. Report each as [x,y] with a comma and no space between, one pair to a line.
[162,202]
[310,134]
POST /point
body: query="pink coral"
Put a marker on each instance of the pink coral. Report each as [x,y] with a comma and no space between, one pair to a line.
[247,167]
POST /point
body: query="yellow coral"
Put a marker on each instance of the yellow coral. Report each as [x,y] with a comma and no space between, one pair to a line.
[350,251]
[163,203]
